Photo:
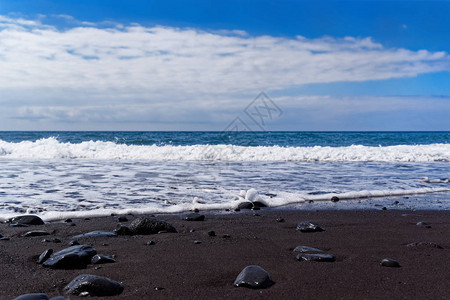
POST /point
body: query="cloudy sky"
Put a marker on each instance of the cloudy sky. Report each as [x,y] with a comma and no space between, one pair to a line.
[196,65]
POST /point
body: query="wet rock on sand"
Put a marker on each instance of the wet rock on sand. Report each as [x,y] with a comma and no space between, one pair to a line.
[97,233]
[389,262]
[306,249]
[36,233]
[26,220]
[45,255]
[316,257]
[38,296]
[145,225]
[194,217]
[307,226]
[253,277]
[75,257]
[92,285]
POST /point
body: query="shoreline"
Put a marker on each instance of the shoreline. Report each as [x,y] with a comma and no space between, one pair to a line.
[179,268]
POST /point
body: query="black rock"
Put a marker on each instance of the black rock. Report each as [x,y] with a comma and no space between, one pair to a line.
[144,225]
[51,241]
[424,224]
[194,217]
[316,257]
[18,225]
[74,243]
[150,243]
[26,220]
[306,249]
[123,219]
[308,226]
[92,285]
[245,205]
[253,277]
[59,298]
[389,262]
[122,230]
[226,236]
[4,238]
[32,297]
[280,220]
[197,242]
[211,233]
[334,199]
[45,255]
[75,257]
[97,233]
[102,259]
[424,245]
[258,204]
[68,220]
[36,233]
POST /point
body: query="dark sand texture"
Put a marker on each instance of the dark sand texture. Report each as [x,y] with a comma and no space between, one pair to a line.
[358,239]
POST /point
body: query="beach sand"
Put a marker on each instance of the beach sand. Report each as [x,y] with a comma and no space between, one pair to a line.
[177,268]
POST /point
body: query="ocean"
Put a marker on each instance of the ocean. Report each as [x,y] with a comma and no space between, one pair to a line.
[59,175]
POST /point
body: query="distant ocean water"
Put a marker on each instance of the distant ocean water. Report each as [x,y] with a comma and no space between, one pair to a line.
[69,174]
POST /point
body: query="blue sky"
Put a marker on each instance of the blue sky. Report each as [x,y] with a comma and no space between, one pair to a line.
[195,65]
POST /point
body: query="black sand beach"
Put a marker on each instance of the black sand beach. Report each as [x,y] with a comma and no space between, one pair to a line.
[174,267]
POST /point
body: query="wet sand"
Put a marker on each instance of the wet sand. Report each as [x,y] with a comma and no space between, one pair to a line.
[181,269]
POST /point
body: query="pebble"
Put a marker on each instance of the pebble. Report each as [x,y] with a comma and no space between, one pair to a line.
[308,226]
[26,220]
[150,243]
[306,249]
[4,238]
[197,242]
[194,217]
[280,220]
[51,241]
[424,224]
[45,255]
[145,225]
[245,205]
[211,233]
[424,245]
[226,236]
[389,262]
[68,220]
[316,257]
[97,233]
[74,243]
[102,259]
[92,285]
[36,233]
[334,199]
[75,257]
[253,277]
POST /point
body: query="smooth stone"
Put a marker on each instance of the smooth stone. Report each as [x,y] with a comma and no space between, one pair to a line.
[280,220]
[92,285]
[334,199]
[197,242]
[424,224]
[211,233]
[74,243]
[226,236]
[102,259]
[259,204]
[150,243]
[123,219]
[245,205]
[68,220]
[424,245]
[51,241]
[26,220]
[75,257]
[4,238]
[308,226]
[194,217]
[253,277]
[35,296]
[389,262]
[97,233]
[306,249]
[45,255]
[18,225]
[36,233]
[144,225]
[316,257]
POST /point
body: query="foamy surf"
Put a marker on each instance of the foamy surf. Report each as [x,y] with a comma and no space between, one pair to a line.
[51,148]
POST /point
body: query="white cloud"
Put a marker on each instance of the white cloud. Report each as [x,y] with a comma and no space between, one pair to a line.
[58,74]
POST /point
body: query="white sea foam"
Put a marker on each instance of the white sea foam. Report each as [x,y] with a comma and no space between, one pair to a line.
[51,148]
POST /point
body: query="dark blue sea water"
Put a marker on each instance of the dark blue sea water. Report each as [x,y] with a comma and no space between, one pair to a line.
[284,139]
[68,174]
